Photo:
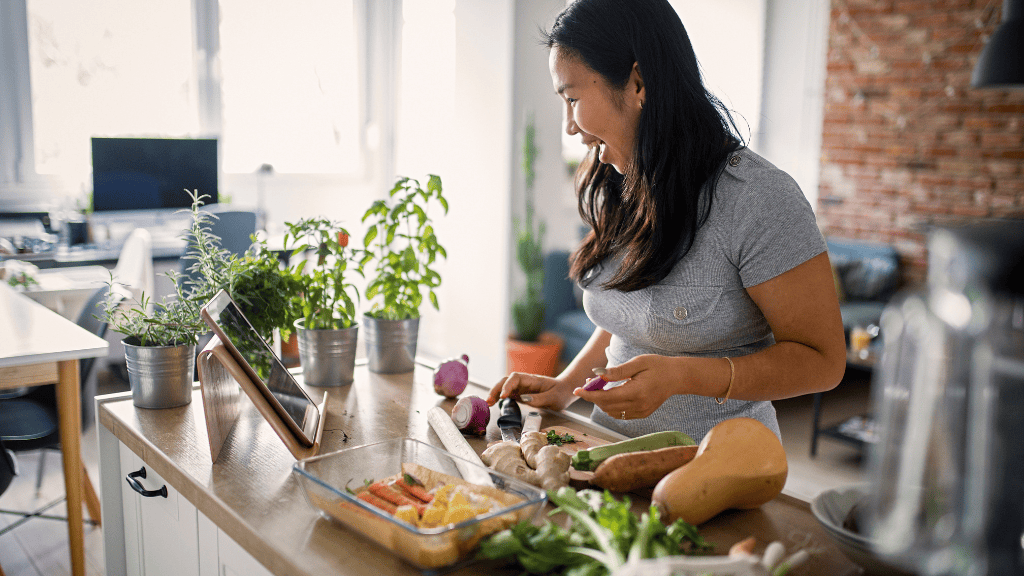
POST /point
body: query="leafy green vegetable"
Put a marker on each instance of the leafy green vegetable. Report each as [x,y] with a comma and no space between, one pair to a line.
[603,535]
[559,439]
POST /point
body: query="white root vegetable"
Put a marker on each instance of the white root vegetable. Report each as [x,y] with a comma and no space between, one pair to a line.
[531,443]
[507,458]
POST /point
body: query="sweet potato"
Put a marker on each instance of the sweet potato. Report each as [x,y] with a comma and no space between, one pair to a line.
[642,469]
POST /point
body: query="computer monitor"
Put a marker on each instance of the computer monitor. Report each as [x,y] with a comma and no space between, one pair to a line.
[131,174]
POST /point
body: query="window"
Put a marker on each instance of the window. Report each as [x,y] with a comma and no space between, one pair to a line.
[426,99]
[278,84]
[107,68]
[289,88]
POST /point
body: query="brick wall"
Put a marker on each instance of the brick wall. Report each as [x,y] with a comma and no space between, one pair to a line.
[907,142]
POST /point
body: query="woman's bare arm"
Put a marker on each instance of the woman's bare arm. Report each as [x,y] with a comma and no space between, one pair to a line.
[809,354]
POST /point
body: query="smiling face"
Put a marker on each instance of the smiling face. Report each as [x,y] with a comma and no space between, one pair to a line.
[603,115]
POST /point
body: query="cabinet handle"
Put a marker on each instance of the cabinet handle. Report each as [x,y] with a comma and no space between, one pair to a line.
[137,486]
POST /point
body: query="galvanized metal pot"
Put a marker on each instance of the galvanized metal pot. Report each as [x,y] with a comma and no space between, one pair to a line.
[391,344]
[160,376]
[327,356]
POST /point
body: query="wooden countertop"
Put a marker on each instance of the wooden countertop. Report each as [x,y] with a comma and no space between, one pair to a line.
[251,494]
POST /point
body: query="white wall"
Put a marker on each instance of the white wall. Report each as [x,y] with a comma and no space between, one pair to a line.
[474,293]
[554,199]
[796,44]
[728,39]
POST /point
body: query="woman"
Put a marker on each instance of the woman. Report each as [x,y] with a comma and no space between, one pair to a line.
[704,271]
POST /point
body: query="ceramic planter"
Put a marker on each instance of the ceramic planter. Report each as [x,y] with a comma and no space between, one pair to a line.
[327,356]
[540,357]
[160,376]
[391,344]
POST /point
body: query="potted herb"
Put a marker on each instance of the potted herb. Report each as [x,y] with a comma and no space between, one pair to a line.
[256,280]
[401,245]
[326,326]
[530,349]
[160,345]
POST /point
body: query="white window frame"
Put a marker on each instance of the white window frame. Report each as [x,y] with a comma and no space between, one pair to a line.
[22,189]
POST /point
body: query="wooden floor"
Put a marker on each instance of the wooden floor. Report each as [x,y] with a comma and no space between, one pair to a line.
[39,547]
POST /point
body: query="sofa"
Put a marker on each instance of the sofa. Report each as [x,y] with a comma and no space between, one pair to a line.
[867,274]
[564,313]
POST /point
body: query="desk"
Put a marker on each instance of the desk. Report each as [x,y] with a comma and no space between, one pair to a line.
[97,254]
[65,290]
[41,347]
[252,498]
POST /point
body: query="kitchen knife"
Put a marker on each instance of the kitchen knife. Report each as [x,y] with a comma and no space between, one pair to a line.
[510,420]
[531,422]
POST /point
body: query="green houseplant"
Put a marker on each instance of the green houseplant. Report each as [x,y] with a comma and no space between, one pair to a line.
[160,345]
[530,349]
[402,248]
[325,300]
[256,280]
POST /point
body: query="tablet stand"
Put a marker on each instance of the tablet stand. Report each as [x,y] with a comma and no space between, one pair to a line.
[220,377]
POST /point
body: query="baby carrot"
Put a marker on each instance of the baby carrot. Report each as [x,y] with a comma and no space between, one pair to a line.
[395,496]
[373,500]
[416,491]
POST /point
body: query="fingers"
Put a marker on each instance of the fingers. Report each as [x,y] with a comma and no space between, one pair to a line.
[621,402]
[624,371]
[606,396]
[516,385]
[495,394]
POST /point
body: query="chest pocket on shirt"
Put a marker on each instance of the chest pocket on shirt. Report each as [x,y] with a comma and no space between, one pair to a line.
[681,317]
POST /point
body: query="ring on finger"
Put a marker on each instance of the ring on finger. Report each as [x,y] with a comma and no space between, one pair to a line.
[623,414]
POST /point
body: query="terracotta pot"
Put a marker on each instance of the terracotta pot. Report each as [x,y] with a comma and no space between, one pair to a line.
[540,357]
[290,351]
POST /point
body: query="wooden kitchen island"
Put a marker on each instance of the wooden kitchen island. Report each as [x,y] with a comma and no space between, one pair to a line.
[247,514]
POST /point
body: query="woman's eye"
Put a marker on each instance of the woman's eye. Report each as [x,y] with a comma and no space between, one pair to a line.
[571,101]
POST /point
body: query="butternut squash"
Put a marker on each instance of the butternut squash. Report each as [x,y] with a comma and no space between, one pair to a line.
[740,463]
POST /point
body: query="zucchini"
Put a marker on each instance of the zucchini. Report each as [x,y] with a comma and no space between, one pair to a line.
[588,460]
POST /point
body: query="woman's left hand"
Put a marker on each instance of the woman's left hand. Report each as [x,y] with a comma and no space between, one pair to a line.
[650,381]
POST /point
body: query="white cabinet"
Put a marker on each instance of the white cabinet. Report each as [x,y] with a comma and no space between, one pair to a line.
[161,532]
[160,526]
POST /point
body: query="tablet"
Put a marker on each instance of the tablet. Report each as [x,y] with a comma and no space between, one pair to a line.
[264,368]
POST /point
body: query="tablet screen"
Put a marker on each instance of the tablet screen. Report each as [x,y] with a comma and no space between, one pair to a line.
[255,351]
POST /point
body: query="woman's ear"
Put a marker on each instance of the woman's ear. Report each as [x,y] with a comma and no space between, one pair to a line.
[636,82]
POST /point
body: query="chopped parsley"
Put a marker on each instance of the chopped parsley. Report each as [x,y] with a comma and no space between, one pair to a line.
[559,439]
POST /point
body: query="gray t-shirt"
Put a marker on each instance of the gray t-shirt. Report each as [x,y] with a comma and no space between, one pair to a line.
[760,226]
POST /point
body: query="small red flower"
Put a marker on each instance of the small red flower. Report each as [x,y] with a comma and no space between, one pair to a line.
[342,239]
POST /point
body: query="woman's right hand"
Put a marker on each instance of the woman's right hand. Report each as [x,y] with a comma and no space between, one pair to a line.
[533,390]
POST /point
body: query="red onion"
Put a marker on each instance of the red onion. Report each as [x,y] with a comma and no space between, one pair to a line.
[595,384]
[451,376]
[471,415]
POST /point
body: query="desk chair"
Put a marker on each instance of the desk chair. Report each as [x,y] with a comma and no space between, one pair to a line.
[8,470]
[234,229]
[134,267]
[30,421]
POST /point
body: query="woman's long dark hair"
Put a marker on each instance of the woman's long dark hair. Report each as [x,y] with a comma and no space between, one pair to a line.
[652,213]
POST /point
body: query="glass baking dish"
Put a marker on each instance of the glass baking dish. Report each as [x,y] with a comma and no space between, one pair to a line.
[328,481]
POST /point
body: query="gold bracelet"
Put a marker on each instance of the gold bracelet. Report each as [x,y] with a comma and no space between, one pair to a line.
[732,377]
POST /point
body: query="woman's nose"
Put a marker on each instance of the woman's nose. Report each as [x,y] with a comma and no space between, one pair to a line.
[570,126]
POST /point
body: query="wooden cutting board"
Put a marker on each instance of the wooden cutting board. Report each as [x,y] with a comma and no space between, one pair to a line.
[583,442]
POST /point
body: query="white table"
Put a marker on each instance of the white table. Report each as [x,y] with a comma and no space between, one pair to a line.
[38,346]
[66,290]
